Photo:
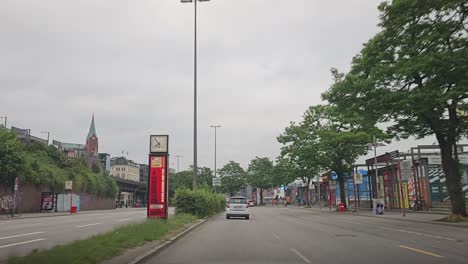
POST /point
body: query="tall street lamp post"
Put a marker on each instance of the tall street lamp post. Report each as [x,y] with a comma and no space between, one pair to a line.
[375,144]
[195,163]
[215,127]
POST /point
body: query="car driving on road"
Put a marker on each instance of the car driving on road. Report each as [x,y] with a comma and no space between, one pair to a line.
[237,206]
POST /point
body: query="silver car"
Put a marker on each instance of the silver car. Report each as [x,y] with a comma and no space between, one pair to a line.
[237,206]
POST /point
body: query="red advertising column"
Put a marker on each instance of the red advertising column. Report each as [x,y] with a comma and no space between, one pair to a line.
[157,187]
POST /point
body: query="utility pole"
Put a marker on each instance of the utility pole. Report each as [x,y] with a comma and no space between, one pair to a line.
[215,127]
[195,163]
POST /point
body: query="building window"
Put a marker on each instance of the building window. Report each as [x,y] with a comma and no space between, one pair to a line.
[123,175]
[117,175]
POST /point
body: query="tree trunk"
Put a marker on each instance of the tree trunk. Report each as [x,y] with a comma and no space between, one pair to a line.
[452,172]
[261,196]
[342,189]
[306,190]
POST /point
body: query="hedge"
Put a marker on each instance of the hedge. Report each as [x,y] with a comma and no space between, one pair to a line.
[200,202]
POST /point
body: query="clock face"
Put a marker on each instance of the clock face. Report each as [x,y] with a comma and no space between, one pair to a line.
[159,144]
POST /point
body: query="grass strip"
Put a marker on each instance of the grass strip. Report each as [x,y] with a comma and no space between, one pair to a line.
[105,246]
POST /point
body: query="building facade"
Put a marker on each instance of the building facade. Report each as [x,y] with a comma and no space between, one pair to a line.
[104,159]
[92,141]
[144,172]
[121,167]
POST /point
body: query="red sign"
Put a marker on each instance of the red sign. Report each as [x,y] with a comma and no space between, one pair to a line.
[157,191]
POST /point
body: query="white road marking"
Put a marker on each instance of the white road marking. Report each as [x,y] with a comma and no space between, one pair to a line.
[300,255]
[21,243]
[276,236]
[88,225]
[28,234]
[125,219]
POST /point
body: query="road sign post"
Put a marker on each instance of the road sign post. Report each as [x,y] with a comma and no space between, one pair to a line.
[157,180]
[69,186]
[14,195]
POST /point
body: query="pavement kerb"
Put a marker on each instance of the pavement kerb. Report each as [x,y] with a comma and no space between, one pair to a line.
[162,246]
[391,218]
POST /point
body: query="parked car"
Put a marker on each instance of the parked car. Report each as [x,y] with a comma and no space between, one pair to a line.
[237,207]
[251,203]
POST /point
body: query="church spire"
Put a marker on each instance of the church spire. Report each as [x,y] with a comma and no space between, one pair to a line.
[92,129]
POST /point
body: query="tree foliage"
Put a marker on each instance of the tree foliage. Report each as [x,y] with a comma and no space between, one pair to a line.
[42,165]
[414,75]
[233,178]
[260,174]
[11,157]
[325,139]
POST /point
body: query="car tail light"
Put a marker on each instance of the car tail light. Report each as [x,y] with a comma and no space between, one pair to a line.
[247,205]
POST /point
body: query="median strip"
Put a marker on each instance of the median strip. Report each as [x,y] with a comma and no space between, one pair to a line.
[106,246]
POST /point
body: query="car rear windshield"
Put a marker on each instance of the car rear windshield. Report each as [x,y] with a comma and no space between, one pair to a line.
[238,201]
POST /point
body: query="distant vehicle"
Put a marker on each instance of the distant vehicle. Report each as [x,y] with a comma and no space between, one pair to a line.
[237,207]
[251,203]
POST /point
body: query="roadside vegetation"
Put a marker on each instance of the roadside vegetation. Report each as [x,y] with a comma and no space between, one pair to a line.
[200,202]
[42,165]
[106,246]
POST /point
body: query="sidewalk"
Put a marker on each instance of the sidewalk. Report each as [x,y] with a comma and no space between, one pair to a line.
[410,216]
[54,214]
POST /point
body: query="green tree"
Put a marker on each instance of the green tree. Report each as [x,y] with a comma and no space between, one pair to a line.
[205,177]
[283,174]
[260,174]
[233,178]
[180,180]
[414,75]
[11,157]
[325,139]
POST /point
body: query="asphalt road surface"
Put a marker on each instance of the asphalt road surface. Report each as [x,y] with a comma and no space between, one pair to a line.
[287,235]
[21,236]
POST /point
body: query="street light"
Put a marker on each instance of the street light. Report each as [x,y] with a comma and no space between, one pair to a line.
[215,127]
[375,145]
[48,136]
[195,164]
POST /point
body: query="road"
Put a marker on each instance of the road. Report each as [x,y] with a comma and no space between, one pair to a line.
[21,236]
[287,235]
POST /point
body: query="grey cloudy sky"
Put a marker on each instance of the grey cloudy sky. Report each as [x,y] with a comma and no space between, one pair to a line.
[261,64]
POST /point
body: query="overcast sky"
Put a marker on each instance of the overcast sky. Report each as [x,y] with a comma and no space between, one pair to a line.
[261,64]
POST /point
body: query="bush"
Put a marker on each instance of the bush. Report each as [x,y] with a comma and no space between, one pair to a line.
[200,202]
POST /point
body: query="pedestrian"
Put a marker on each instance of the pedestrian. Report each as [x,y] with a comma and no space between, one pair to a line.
[379,209]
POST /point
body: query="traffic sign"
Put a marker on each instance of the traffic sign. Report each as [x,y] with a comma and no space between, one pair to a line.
[357,178]
[334,176]
[216,181]
[68,185]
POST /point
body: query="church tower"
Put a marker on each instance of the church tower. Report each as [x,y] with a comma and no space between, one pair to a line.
[92,141]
